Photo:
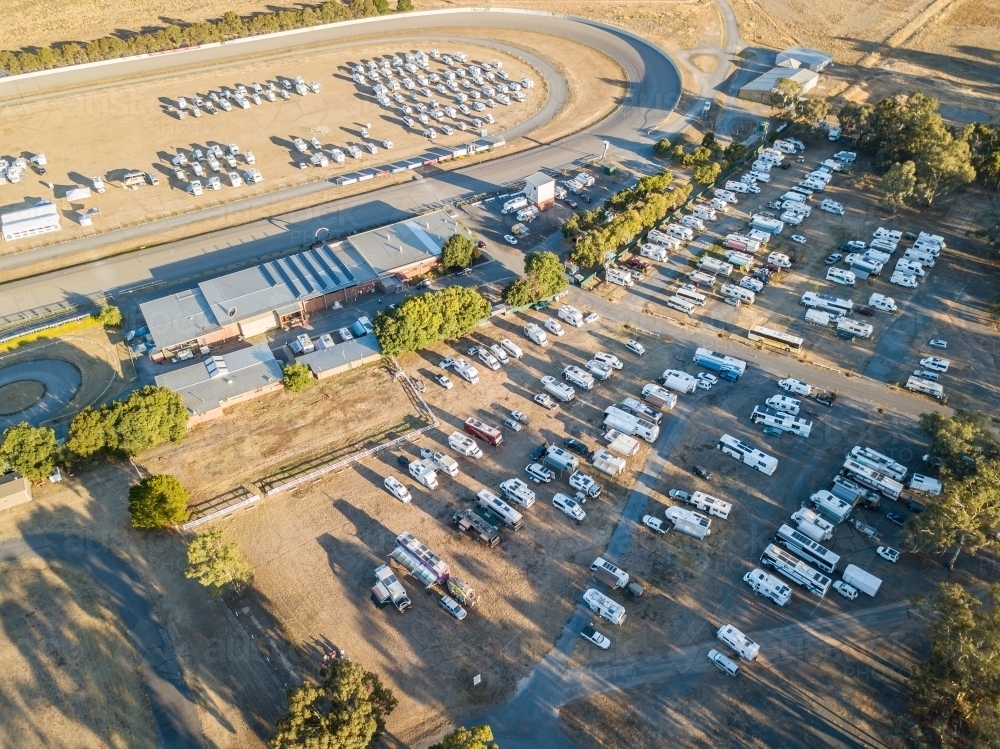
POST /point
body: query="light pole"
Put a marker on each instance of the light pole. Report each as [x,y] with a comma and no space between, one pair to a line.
[604,155]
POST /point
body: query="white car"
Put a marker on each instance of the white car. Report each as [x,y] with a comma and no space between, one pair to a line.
[510,239]
[395,487]
[710,378]
[654,523]
[594,317]
[371,148]
[538,473]
[592,635]
[798,239]
[553,327]
[387,144]
[847,591]
[935,363]
[888,553]
[939,343]
[704,385]
[635,347]
[453,607]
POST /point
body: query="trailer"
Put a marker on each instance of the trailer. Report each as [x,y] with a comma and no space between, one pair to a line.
[783,421]
[813,525]
[674,379]
[621,443]
[616,418]
[478,527]
[879,462]
[717,267]
[503,511]
[920,385]
[711,505]
[830,507]
[854,328]
[865,476]
[609,574]
[862,580]
[387,589]
[607,463]
[728,367]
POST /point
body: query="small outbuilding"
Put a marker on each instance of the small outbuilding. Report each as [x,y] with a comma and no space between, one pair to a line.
[801,57]
[15,490]
[343,357]
[761,88]
[42,218]
[541,190]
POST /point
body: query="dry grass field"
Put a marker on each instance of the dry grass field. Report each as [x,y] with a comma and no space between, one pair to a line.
[70,678]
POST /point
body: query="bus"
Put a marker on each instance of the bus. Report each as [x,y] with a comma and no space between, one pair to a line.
[802,546]
[775,338]
[797,571]
[784,422]
[483,431]
[879,462]
[871,478]
[748,454]
[827,303]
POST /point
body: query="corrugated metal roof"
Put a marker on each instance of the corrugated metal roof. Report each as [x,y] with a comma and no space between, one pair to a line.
[398,245]
[341,354]
[178,318]
[769,80]
[205,385]
[803,56]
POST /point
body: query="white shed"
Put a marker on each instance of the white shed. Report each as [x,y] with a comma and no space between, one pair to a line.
[801,57]
[40,219]
[541,190]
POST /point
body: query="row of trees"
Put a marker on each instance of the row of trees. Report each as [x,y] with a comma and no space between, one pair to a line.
[424,319]
[966,454]
[642,207]
[543,277]
[230,26]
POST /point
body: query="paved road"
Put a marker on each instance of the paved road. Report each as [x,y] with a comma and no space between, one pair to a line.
[174,717]
[653,92]
[60,379]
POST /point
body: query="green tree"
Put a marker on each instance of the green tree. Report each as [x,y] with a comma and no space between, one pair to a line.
[518,293]
[297,376]
[147,418]
[785,93]
[707,173]
[898,184]
[478,737]
[156,502]
[960,444]
[110,316]
[677,152]
[458,252]
[708,140]
[427,318]
[363,8]
[217,565]
[404,6]
[87,434]
[964,517]
[546,273]
[956,691]
[31,451]
[347,710]
[701,154]
[811,111]
[990,231]
[382,6]
[735,152]
[231,26]
[662,148]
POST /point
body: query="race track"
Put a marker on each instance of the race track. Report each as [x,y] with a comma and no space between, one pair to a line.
[654,89]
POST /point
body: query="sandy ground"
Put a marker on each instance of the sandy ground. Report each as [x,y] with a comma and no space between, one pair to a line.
[70,676]
[335,117]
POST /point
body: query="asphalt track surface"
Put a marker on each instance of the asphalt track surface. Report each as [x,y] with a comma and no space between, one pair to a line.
[60,379]
[174,718]
[654,89]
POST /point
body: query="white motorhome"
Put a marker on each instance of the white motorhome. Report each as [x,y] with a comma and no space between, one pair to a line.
[744,647]
[423,471]
[784,403]
[604,607]
[715,266]
[739,187]
[609,573]
[843,277]
[658,396]
[517,491]
[761,461]
[571,315]
[464,445]
[507,514]
[712,505]
[768,586]
[616,418]
[925,484]
[535,333]
[734,291]
[824,319]
[579,377]
[920,385]
[619,277]
[884,303]
[726,195]
[560,390]
[466,371]
[654,252]
[680,232]
[855,328]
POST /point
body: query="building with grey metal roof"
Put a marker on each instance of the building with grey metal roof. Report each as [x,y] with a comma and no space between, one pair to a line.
[342,357]
[761,88]
[802,57]
[397,247]
[210,385]
[178,318]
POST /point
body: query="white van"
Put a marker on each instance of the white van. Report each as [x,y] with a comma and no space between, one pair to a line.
[745,648]
[620,277]
[654,252]
[903,279]
[768,586]
[725,664]
[920,385]
[837,275]
[512,348]
[798,197]
[620,575]
[604,607]
[792,385]
[726,195]
[692,222]
[704,212]
[752,284]
[779,259]
[739,187]
[884,303]
[464,445]
[535,333]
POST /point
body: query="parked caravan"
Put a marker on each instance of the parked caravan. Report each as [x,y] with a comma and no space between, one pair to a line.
[734,291]
[747,454]
[604,607]
[464,445]
[816,317]
[558,389]
[681,382]
[640,409]
[608,573]
[920,385]
[503,511]
[844,277]
[712,265]
[712,505]
[619,277]
[743,646]
[768,586]
[727,195]
[518,492]
[616,418]
[831,507]
[785,404]
[925,484]
[767,224]
[658,396]
[680,232]
[579,377]
[608,463]
[859,329]
[654,252]
[698,278]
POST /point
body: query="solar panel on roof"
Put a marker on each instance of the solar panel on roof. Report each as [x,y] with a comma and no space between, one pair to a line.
[326,266]
[340,263]
[284,275]
[267,275]
[300,273]
[307,261]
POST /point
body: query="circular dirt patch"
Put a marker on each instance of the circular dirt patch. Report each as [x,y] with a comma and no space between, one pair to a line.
[18,396]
